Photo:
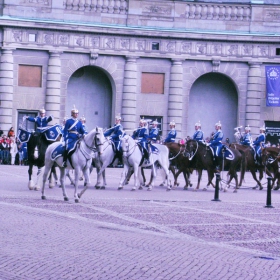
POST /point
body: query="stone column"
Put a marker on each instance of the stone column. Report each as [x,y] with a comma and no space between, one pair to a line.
[53,86]
[129,94]
[175,105]
[6,89]
[253,101]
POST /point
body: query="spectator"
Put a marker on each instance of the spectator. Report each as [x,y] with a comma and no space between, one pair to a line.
[13,150]
[11,132]
[5,151]
[1,132]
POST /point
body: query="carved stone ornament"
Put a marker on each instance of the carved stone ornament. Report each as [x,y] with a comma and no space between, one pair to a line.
[80,41]
[110,43]
[248,49]
[140,45]
[170,47]
[17,36]
[217,48]
[233,49]
[48,39]
[155,9]
[124,44]
[215,65]
[93,57]
[94,42]
[186,47]
[64,39]
[201,48]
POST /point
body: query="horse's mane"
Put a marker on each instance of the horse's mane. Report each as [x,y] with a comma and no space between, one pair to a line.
[273,150]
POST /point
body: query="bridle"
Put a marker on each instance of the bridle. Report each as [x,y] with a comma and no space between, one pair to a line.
[128,149]
[95,148]
[191,154]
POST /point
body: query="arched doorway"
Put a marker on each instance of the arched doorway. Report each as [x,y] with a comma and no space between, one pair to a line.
[90,90]
[213,97]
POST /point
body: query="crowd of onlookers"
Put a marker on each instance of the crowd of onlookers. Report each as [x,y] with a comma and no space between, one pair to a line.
[12,151]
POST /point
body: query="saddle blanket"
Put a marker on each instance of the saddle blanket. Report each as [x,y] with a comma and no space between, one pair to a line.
[53,132]
[58,151]
[23,135]
[225,152]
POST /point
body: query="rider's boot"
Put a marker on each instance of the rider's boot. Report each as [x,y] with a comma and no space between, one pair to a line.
[64,164]
[146,155]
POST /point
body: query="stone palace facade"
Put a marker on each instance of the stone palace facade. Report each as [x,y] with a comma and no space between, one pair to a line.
[185,61]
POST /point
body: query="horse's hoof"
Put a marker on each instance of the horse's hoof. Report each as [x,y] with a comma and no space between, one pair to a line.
[120,188]
[261,188]
[161,185]
[185,188]
[43,197]
[254,187]
[140,188]
[168,189]
[31,188]
[195,190]
[133,190]
[36,189]
[76,200]
[97,187]
[235,191]
[190,185]
[102,188]
[66,198]
[204,189]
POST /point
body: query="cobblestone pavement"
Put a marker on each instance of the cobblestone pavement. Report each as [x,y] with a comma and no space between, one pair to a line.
[113,234]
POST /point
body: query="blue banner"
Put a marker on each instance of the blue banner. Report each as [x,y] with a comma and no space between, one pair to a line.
[53,132]
[272,86]
[23,135]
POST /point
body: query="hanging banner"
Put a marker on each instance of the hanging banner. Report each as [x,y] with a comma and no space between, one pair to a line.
[272,86]
[272,131]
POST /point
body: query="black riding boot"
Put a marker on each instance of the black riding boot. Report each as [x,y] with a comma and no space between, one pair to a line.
[64,164]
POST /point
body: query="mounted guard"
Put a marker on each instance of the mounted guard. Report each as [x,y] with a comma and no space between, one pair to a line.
[72,132]
[258,144]
[216,143]
[247,138]
[115,134]
[171,136]
[198,135]
[154,132]
[83,121]
[141,134]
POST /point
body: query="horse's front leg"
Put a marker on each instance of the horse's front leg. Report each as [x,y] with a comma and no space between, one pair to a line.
[87,181]
[30,181]
[62,182]
[77,173]
[39,180]
[124,176]
[136,171]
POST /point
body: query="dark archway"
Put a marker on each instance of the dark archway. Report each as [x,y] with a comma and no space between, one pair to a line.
[90,90]
[213,97]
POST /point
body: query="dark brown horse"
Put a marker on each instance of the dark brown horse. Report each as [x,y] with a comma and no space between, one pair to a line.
[179,162]
[248,163]
[270,159]
[202,158]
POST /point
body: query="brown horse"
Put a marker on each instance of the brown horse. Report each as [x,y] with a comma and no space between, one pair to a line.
[248,163]
[203,159]
[180,162]
[270,159]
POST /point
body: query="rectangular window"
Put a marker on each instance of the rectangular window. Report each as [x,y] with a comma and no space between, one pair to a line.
[152,83]
[277,51]
[29,76]
[26,125]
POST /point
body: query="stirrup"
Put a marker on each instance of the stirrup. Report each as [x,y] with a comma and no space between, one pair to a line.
[64,164]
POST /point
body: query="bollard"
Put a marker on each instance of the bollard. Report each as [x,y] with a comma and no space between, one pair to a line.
[216,198]
[268,193]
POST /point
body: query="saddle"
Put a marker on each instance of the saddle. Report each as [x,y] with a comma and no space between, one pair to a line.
[225,152]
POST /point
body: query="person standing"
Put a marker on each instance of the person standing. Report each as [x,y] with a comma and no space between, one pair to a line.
[198,134]
[41,121]
[72,131]
[171,136]
[13,150]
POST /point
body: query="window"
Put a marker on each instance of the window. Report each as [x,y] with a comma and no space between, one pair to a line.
[26,125]
[29,76]
[277,51]
[152,83]
[155,46]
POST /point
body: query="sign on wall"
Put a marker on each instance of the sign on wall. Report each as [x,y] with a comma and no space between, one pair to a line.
[272,131]
[272,86]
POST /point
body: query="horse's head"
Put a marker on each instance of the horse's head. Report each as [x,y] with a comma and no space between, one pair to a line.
[191,147]
[269,155]
[125,142]
[99,139]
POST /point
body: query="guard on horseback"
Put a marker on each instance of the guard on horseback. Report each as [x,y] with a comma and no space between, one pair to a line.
[247,138]
[153,134]
[41,121]
[115,134]
[171,136]
[141,135]
[216,143]
[72,131]
[258,144]
[83,121]
[198,135]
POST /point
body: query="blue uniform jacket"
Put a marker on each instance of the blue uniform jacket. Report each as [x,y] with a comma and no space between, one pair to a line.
[153,134]
[247,139]
[257,143]
[71,133]
[171,136]
[216,142]
[141,134]
[198,135]
[41,123]
[115,132]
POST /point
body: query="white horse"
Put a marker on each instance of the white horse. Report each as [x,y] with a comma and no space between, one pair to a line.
[132,158]
[81,160]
